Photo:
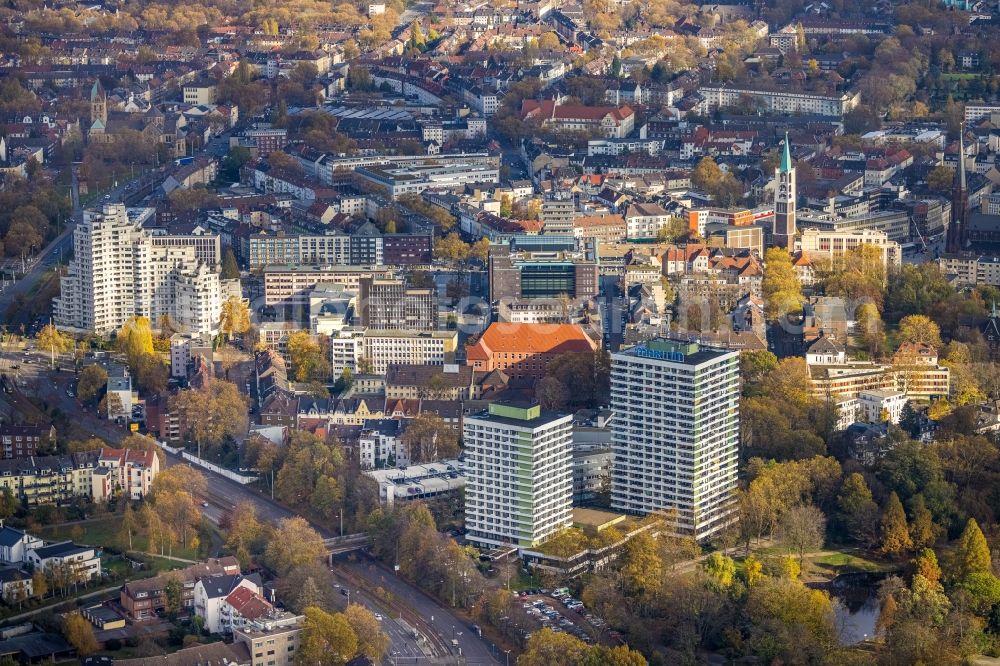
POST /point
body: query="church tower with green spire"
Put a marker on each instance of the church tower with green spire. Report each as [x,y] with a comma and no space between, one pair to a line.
[784,231]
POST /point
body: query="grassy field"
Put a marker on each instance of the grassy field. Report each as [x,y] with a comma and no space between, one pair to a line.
[104,532]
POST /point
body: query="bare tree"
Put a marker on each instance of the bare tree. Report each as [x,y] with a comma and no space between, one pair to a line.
[802,528]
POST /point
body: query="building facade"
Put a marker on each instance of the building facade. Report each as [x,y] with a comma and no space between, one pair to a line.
[676,433]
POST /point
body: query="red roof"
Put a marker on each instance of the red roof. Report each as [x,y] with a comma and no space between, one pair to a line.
[549,109]
[530,339]
[248,603]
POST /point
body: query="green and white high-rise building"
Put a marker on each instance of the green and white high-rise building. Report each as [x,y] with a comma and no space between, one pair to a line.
[519,476]
[675,435]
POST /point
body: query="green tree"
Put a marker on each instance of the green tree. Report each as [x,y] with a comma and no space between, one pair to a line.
[326,639]
[923,531]
[230,269]
[781,286]
[372,641]
[972,554]
[173,593]
[79,633]
[53,342]
[135,338]
[919,328]
[8,504]
[294,543]
[93,379]
[895,532]
[858,511]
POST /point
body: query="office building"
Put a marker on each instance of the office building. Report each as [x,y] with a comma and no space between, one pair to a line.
[519,479]
[401,180]
[517,271]
[385,304]
[675,435]
[120,270]
[558,215]
[291,285]
[834,245]
[393,347]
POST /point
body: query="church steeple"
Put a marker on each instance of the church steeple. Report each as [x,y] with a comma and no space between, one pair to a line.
[958,234]
[783,234]
[786,157]
[98,104]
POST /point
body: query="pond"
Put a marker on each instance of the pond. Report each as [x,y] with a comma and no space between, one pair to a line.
[858,607]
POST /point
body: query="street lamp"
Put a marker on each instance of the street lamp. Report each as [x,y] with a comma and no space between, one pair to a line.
[507,654]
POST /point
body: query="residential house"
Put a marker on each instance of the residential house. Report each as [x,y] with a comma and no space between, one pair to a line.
[15,544]
[210,594]
[82,562]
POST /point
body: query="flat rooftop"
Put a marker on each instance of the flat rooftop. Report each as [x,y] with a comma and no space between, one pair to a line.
[676,351]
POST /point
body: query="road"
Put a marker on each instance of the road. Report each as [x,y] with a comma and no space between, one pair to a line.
[403,646]
[433,614]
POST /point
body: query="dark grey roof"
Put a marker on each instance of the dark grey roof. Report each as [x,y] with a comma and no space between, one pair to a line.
[9,536]
[60,550]
[217,587]
[10,574]
[35,646]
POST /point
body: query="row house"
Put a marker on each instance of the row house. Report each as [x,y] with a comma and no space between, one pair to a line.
[143,599]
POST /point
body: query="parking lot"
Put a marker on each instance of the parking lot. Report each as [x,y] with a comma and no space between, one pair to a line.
[561,612]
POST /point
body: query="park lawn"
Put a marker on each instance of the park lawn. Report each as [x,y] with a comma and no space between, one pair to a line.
[836,563]
[958,76]
[103,532]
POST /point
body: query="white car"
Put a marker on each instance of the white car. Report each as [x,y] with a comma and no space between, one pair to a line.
[378,617]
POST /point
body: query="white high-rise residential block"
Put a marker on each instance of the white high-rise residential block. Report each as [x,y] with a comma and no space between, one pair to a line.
[675,435]
[519,475]
[120,270]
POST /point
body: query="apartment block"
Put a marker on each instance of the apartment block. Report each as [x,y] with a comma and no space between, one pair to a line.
[675,436]
[519,478]
[21,441]
[775,101]
[272,643]
[120,270]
